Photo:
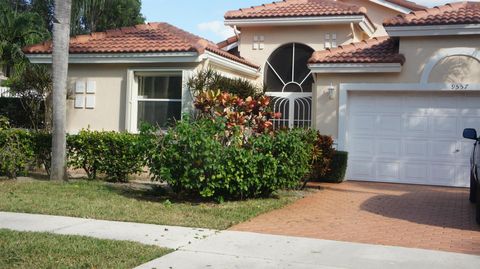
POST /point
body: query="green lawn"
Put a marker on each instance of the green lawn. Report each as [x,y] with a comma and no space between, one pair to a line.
[42,250]
[135,203]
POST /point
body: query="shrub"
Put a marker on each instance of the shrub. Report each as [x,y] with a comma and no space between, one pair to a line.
[209,79]
[293,151]
[42,149]
[338,168]
[193,158]
[16,153]
[250,114]
[4,123]
[324,153]
[117,155]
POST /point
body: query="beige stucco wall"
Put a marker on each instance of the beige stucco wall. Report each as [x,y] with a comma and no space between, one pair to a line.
[275,37]
[110,97]
[418,51]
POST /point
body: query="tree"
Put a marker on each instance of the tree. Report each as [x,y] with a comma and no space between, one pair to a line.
[100,15]
[34,86]
[18,29]
[61,38]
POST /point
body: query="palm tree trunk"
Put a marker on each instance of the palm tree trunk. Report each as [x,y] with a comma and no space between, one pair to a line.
[61,37]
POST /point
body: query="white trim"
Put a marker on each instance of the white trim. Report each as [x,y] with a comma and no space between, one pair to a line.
[231,46]
[367,26]
[345,88]
[93,58]
[295,21]
[356,68]
[132,93]
[444,53]
[231,64]
[392,6]
[434,30]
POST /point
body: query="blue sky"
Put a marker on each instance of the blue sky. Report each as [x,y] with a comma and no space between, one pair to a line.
[205,17]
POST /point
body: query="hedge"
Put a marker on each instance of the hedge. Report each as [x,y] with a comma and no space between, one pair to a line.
[338,168]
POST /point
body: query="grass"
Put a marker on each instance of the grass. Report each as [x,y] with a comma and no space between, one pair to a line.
[135,203]
[42,250]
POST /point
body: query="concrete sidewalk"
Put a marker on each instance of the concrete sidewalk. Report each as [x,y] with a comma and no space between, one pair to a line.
[148,234]
[203,248]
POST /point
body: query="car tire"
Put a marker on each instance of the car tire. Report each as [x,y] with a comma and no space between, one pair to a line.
[473,188]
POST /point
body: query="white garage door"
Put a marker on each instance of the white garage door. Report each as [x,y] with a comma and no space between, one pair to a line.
[411,138]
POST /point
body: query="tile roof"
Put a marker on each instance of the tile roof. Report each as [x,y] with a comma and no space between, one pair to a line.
[297,8]
[407,4]
[144,38]
[375,50]
[227,42]
[455,13]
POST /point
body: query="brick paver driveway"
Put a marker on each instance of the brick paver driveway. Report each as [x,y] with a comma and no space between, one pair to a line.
[377,213]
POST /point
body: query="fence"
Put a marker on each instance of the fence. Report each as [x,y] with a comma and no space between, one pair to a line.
[5,92]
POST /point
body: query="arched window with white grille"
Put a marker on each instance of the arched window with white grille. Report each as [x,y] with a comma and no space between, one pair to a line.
[289,82]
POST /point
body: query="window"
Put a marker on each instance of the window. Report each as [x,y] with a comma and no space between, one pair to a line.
[159,99]
[287,69]
[330,40]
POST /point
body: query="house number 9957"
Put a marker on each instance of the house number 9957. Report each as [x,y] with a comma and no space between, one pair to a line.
[459,86]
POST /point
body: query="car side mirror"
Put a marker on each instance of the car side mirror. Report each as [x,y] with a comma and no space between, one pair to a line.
[470,134]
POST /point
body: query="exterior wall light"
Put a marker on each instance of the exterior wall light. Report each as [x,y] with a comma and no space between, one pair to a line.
[331,92]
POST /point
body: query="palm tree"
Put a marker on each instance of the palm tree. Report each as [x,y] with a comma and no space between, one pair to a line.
[16,31]
[61,39]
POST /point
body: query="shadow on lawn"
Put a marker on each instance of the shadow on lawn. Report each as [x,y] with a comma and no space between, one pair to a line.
[160,194]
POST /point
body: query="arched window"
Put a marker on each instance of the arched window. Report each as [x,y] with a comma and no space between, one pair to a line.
[287,69]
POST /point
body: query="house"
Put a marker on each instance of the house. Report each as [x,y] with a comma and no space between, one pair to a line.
[394,82]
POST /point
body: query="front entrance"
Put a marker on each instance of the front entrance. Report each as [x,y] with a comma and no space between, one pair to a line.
[289,82]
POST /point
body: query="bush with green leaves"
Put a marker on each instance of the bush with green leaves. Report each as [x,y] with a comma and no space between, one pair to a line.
[16,154]
[42,149]
[338,168]
[117,155]
[4,123]
[194,159]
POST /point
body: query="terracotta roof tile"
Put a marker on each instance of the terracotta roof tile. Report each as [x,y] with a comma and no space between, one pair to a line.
[297,8]
[455,13]
[376,50]
[144,38]
[227,42]
[407,4]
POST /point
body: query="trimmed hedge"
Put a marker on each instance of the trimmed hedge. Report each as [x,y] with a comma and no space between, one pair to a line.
[338,168]
[117,155]
[16,154]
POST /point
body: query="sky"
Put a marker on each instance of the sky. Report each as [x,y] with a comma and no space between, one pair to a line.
[205,17]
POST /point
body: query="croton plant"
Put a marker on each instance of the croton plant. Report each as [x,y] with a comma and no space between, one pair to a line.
[249,114]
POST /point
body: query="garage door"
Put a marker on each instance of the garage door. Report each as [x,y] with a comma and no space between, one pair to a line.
[411,138]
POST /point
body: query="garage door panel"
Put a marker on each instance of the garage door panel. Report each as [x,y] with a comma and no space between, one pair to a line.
[388,148]
[389,124]
[416,149]
[416,172]
[388,170]
[417,125]
[411,137]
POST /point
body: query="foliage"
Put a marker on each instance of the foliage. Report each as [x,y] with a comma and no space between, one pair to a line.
[42,149]
[115,154]
[193,159]
[4,123]
[33,85]
[209,79]
[247,115]
[18,29]
[293,151]
[321,164]
[99,15]
[338,168]
[16,153]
